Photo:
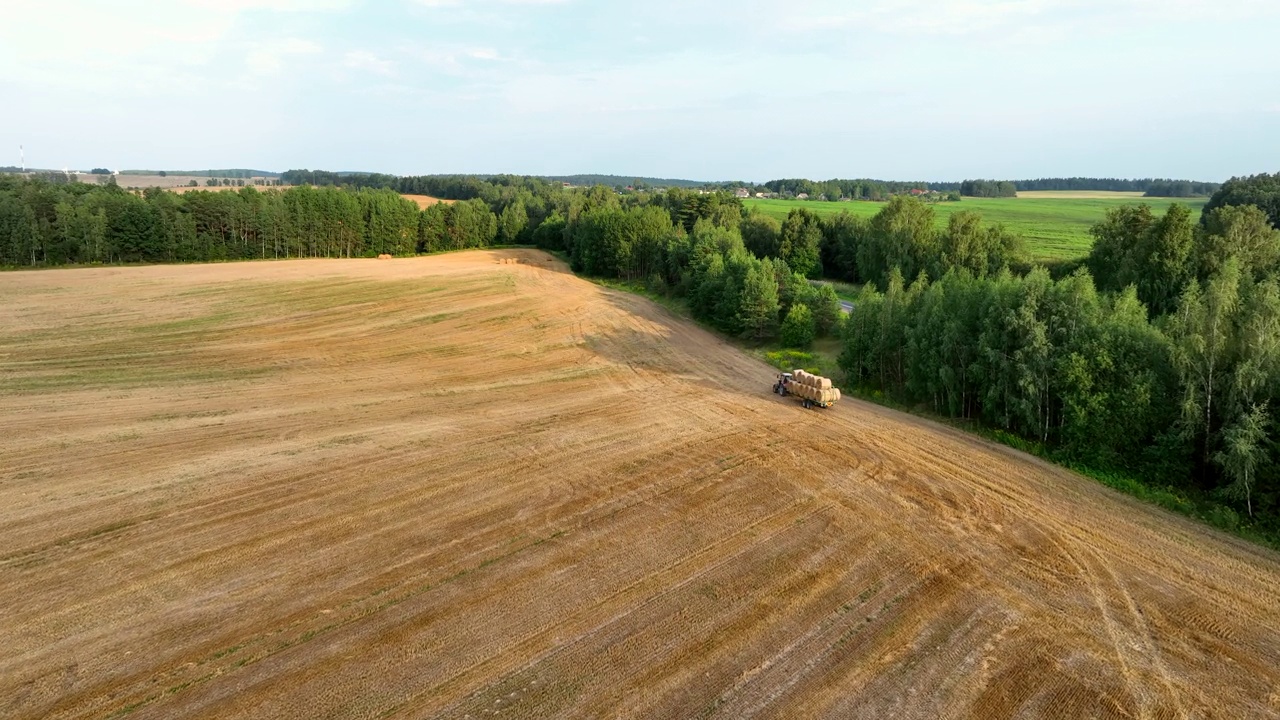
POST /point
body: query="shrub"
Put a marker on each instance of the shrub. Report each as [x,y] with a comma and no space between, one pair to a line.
[798,328]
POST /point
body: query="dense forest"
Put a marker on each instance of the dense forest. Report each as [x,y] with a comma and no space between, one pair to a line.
[988,188]
[1152,187]
[1160,357]
[861,189]
[1260,190]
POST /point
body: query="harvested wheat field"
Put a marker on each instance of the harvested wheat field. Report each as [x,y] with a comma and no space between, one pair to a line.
[460,487]
[426,201]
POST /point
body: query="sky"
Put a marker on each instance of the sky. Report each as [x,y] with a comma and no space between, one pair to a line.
[700,89]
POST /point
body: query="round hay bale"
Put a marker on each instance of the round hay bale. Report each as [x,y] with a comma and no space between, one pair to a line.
[824,383]
[384,256]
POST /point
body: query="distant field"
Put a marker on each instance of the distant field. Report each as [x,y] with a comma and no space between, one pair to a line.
[260,188]
[168,182]
[426,201]
[1056,227]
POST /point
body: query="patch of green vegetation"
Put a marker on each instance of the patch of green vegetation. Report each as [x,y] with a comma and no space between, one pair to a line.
[189,416]
[788,360]
[844,290]
[1056,229]
[194,324]
[124,376]
[343,440]
[430,319]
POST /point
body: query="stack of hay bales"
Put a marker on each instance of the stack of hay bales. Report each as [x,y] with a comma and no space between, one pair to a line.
[814,388]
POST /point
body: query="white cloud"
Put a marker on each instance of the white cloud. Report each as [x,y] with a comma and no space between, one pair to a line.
[105,48]
[270,60]
[965,17]
[457,59]
[367,61]
[237,6]
[476,3]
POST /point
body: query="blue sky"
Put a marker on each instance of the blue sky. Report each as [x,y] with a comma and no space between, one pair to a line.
[753,90]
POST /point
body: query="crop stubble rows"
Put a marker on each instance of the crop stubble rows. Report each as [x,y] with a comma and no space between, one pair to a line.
[455,486]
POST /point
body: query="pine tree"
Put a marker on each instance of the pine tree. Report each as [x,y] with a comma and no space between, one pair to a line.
[758,304]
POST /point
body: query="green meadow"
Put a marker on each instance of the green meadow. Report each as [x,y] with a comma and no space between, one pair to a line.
[1056,229]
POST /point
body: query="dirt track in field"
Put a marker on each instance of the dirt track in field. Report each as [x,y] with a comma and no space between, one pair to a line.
[460,487]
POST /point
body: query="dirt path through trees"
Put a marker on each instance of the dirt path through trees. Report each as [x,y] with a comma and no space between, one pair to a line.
[461,486]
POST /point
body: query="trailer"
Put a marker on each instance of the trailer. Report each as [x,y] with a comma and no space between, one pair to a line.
[814,391]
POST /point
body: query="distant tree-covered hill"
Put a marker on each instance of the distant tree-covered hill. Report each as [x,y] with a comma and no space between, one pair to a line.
[854,189]
[1153,187]
[230,173]
[627,180]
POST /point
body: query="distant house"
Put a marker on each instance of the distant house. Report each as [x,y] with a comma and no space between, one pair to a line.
[742,193]
[917,192]
[802,196]
[761,195]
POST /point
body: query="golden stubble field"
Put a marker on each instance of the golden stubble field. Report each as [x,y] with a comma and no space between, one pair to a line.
[463,486]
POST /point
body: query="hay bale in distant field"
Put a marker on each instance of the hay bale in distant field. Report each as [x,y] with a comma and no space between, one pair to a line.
[384,256]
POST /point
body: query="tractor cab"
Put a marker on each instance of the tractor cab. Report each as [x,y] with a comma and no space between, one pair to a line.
[783,383]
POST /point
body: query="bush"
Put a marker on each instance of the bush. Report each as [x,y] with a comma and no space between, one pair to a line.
[798,328]
[788,360]
[1223,518]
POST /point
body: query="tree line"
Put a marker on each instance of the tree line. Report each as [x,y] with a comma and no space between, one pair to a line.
[988,188]
[44,224]
[1180,188]
[1153,187]
[857,189]
[1160,357]
[1261,190]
